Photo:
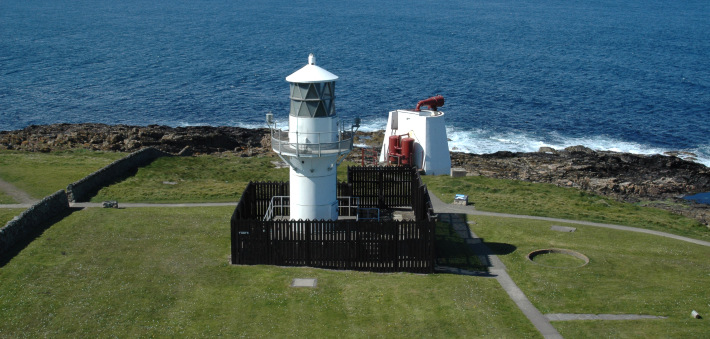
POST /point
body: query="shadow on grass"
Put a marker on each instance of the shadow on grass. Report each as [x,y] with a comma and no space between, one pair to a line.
[453,251]
[499,248]
[11,252]
[457,248]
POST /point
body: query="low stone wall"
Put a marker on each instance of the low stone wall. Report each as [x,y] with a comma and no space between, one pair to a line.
[33,220]
[85,188]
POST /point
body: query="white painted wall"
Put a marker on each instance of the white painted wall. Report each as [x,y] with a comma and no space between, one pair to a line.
[313,189]
[428,128]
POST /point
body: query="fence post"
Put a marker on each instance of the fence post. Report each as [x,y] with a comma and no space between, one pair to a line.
[396,246]
[307,225]
[348,242]
[233,239]
[380,190]
[432,248]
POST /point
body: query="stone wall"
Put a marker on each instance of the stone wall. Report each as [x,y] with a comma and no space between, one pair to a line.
[33,220]
[85,188]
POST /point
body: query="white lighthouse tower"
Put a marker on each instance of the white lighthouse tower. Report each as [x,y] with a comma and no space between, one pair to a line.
[314,144]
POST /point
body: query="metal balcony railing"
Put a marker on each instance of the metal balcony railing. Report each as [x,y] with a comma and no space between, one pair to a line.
[279,206]
[314,146]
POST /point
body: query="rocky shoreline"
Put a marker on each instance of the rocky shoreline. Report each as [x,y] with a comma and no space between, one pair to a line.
[654,180]
[623,176]
[125,138]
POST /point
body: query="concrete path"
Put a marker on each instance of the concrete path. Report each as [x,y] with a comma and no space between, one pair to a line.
[441,207]
[9,206]
[19,195]
[574,316]
[132,205]
[129,205]
[498,270]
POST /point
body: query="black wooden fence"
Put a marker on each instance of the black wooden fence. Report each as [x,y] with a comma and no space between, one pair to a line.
[340,244]
[383,186]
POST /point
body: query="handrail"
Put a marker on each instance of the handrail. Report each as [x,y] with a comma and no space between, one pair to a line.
[269,215]
[349,205]
[280,143]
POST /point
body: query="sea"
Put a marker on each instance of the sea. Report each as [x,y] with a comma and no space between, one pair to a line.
[517,75]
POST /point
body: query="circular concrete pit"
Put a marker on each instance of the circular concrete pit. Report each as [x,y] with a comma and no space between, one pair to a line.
[558,258]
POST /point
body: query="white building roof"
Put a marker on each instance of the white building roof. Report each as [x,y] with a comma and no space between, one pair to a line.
[311,73]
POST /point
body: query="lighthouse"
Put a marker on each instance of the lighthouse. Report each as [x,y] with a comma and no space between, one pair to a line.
[314,144]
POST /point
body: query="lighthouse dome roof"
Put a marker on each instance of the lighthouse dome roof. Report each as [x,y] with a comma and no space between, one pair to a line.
[311,73]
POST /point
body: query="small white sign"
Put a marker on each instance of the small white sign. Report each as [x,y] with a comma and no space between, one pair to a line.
[304,282]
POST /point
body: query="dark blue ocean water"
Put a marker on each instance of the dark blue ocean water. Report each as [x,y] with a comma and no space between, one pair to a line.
[627,75]
[703,198]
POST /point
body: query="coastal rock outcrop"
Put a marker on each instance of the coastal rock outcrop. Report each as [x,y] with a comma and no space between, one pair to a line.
[624,176]
[201,139]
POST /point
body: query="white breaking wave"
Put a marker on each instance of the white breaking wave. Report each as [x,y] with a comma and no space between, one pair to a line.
[373,125]
[188,124]
[484,142]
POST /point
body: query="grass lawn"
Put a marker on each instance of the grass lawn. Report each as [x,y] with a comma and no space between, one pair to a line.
[41,174]
[628,273]
[206,178]
[6,199]
[547,200]
[165,272]
[6,214]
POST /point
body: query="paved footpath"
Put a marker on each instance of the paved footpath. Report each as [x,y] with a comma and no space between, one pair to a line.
[131,205]
[24,206]
[576,316]
[19,195]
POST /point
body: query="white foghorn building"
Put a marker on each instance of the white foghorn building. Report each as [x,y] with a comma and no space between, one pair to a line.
[428,129]
[314,144]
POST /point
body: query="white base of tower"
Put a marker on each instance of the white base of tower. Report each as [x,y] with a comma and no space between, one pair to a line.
[314,196]
[431,148]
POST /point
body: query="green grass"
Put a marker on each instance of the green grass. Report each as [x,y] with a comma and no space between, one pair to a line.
[204,178]
[165,273]
[628,273]
[41,174]
[194,179]
[6,214]
[6,199]
[520,197]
